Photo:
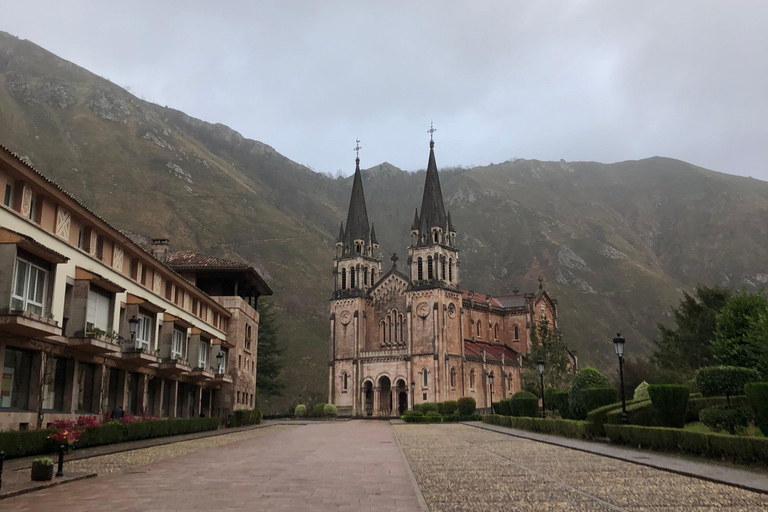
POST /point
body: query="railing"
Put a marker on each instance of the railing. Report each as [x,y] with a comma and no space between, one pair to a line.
[385,352]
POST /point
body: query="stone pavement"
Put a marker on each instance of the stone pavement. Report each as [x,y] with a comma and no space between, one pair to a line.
[460,467]
[355,465]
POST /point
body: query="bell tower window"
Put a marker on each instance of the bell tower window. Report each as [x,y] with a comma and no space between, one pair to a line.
[450,270]
[343,279]
[421,270]
[352,278]
[429,267]
[442,274]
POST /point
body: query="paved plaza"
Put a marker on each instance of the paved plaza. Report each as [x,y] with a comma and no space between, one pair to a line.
[359,465]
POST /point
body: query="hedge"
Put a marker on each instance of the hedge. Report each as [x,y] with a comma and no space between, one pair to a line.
[244,417]
[721,446]
[525,406]
[318,410]
[599,397]
[330,411]
[467,406]
[562,404]
[505,407]
[671,403]
[757,393]
[565,428]
[447,408]
[585,378]
[725,381]
[425,407]
[719,418]
[20,443]
[696,405]
[639,413]
[419,417]
[599,416]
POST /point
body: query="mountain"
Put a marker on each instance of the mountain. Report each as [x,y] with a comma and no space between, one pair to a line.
[616,243]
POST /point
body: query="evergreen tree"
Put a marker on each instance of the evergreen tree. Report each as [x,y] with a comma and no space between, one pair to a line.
[688,346]
[268,359]
[547,344]
[741,336]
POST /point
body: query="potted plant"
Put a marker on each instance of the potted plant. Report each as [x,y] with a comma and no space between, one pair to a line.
[42,469]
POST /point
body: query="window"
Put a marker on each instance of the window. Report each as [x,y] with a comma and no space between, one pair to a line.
[401,321]
[352,278]
[248,337]
[442,269]
[478,328]
[9,186]
[429,267]
[84,387]
[99,311]
[33,207]
[203,359]
[238,397]
[421,271]
[29,287]
[343,279]
[425,379]
[389,329]
[450,270]
[373,277]
[517,337]
[239,362]
[17,370]
[509,382]
[472,379]
[177,347]
[436,235]
[496,331]
[453,377]
[81,238]
[365,276]
[345,381]
[55,381]
[144,331]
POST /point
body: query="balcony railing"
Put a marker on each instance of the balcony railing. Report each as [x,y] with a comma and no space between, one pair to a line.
[385,352]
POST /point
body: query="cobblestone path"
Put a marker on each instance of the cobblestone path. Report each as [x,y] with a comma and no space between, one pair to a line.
[464,468]
[354,466]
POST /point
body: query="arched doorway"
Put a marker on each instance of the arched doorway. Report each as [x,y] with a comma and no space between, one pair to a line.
[402,397]
[368,396]
[385,396]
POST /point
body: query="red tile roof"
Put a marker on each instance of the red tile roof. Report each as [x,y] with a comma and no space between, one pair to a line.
[500,301]
[182,260]
[493,350]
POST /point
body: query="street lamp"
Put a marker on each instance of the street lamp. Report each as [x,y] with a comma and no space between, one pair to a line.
[541,376]
[618,343]
[220,362]
[133,324]
[490,381]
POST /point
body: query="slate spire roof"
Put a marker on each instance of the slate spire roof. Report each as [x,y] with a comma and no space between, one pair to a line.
[357,226]
[432,206]
[373,234]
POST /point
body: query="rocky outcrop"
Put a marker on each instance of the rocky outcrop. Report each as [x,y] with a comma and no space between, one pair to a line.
[106,105]
[56,93]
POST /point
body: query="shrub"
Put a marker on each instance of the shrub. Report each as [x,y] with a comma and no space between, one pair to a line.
[495,407]
[757,393]
[585,378]
[419,417]
[566,428]
[330,411]
[318,410]
[641,392]
[695,405]
[243,417]
[447,408]
[451,418]
[45,461]
[505,407]
[426,407]
[670,402]
[525,403]
[598,397]
[20,443]
[549,397]
[467,406]
[300,411]
[561,403]
[598,417]
[639,413]
[725,381]
[721,446]
[719,418]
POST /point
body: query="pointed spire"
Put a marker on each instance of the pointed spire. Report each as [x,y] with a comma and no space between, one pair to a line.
[450,224]
[415,225]
[432,207]
[341,232]
[357,227]
[373,234]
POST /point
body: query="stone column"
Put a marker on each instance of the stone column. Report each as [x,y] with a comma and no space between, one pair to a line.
[101,391]
[122,390]
[159,392]
[376,401]
[70,399]
[141,406]
[198,401]
[174,385]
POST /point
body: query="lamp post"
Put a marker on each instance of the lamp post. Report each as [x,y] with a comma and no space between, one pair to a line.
[133,324]
[490,381]
[541,376]
[618,343]
[219,362]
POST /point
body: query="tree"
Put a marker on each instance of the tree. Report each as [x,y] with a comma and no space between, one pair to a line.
[687,346]
[268,359]
[741,336]
[547,344]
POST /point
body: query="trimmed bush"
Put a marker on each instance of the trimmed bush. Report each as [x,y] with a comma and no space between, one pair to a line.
[720,418]
[467,406]
[585,378]
[562,404]
[243,417]
[598,397]
[720,446]
[641,392]
[330,411]
[670,402]
[696,405]
[598,417]
[725,381]
[757,394]
[549,398]
[426,407]
[505,407]
[20,443]
[419,417]
[300,411]
[640,413]
[528,407]
[447,408]
[495,407]
[318,410]
[565,428]
[451,418]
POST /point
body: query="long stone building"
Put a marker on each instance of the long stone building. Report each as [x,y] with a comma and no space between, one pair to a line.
[90,320]
[407,334]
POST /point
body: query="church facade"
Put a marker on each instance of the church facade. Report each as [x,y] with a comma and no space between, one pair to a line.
[404,334]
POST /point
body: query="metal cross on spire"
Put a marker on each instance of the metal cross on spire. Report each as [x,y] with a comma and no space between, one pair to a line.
[431,130]
[357,150]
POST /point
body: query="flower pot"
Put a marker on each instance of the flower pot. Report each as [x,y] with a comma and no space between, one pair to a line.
[41,472]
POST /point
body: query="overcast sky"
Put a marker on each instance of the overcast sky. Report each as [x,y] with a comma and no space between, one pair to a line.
[579,80]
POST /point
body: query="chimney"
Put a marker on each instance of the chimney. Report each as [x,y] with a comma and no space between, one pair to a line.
[159,249]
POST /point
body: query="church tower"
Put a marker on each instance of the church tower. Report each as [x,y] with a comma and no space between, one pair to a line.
[434,296]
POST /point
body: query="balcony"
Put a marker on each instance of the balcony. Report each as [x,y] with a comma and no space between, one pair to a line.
[385,352]
[221,378]
[96,343]
[201,374]
[175,366]
[24,323]
[141,357]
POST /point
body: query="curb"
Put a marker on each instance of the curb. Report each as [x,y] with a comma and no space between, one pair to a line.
[554,442]
[28,490]
[419,495]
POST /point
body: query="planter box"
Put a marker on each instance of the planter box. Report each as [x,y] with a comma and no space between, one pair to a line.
[41,472]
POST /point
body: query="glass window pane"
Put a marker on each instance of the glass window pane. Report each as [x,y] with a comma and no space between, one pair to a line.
[22,269]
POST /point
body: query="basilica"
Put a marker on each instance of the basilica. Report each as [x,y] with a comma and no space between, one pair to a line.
[403,334]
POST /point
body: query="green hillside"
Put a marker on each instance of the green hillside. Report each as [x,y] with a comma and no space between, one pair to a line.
[616,243]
